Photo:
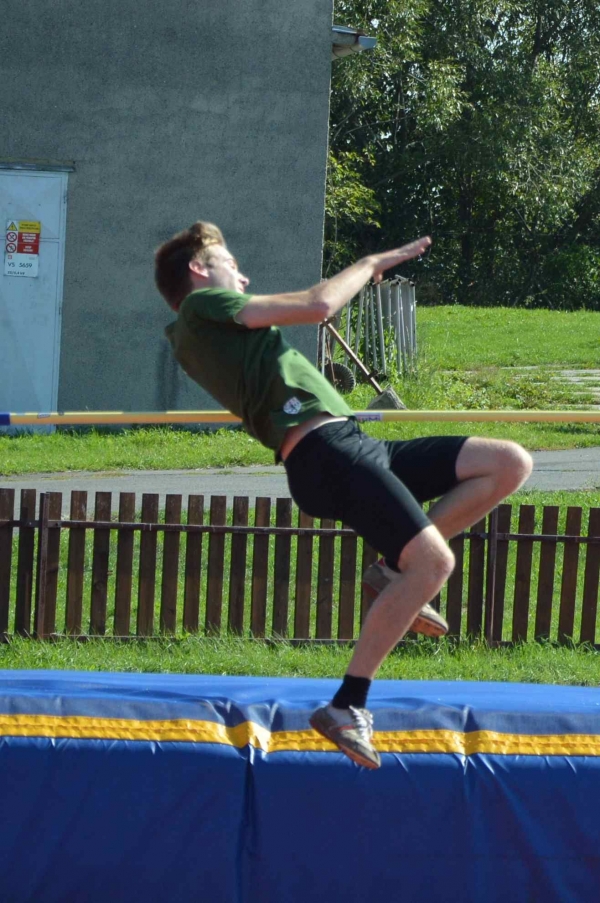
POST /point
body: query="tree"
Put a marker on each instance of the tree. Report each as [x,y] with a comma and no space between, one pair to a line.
[477,122]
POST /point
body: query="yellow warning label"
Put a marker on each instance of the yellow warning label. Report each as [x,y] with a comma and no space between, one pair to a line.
[12,227]
[25,226]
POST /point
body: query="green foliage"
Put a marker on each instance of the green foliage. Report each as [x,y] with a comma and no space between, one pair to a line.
[348,201]
[479,123]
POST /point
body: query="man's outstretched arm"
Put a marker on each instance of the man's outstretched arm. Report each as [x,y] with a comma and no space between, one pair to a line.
[324,300]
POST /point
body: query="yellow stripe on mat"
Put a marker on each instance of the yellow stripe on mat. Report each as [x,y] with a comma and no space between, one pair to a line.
[249,733]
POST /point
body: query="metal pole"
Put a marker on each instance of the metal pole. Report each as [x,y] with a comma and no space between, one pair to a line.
[402,327]
[405,293]
[375,360]
[380,329]
[357,337]
[348,326]
[413,320]
[125,418]
[398,325]
[387,290]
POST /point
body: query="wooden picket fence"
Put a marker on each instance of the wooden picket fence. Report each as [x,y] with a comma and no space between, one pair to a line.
[272,572]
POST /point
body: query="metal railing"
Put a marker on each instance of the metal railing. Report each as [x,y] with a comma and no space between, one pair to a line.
[380,325]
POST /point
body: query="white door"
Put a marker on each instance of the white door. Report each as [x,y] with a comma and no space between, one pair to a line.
[30,307]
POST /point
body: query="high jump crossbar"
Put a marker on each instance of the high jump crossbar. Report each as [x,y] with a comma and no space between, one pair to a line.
[102,418]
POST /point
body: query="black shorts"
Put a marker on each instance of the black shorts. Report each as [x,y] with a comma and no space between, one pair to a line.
[374,486]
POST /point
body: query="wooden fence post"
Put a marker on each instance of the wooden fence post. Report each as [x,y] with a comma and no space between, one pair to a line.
[503,524]
[193,566]
[260,569]
[41,569]
[545,593]
[324,602]
[476,579]
[237,573]
[347,586]
[124,575]
[7,512]
[168,595]
[147,575]
[589,606]
[76,566]
[303,580]
[490,576]
[25,567]
[523,574]
[216,564]
[100,559]
[281,572]
[54,500]
[454,597]
[568,590]
[369,556]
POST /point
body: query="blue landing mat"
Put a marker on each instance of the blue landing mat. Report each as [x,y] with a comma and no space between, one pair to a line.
[121,787]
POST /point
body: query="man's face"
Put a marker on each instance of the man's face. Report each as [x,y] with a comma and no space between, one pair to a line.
[219,271]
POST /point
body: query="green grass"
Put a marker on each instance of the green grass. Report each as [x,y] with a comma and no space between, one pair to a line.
[423,660]
[166,450]
[176,449]
[466,338]
[461,353]
[137,449]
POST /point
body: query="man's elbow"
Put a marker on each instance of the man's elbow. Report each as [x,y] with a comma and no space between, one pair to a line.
[319,308]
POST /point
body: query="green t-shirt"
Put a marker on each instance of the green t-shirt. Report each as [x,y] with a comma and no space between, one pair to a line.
[254,373]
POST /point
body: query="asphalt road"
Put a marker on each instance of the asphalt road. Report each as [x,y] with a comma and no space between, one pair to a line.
[573,469]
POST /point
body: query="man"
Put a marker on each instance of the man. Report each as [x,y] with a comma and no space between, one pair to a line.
[229,342]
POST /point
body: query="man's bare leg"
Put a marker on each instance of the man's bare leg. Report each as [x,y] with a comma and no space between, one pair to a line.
[488,470]
[426,563]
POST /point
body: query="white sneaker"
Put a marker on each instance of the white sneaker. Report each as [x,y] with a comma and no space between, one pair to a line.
[351,730]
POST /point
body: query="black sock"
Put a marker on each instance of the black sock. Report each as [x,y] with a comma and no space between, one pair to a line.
[353,691]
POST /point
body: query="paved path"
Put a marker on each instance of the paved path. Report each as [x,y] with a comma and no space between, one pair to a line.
[573,469]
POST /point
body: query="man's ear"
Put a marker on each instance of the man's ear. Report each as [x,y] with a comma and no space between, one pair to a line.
[199,268]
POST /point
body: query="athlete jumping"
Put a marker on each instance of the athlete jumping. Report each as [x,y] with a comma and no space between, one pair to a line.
[229,342]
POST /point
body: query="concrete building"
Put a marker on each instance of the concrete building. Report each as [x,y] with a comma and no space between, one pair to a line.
[124,123]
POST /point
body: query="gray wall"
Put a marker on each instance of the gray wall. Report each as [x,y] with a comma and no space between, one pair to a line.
[172,112]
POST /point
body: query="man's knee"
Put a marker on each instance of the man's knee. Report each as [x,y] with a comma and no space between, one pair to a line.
[506,462]
[428,556]
[514,465]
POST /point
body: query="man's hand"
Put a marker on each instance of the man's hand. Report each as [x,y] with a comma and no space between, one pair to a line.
[387,259]
[323,301]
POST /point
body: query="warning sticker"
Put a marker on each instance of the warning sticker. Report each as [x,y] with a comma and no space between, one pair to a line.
[25,226]
[22,248]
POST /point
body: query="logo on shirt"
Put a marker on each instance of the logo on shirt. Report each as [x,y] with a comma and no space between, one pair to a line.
[293,405]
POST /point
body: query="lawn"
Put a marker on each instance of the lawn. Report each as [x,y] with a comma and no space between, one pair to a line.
[423,660]
[462,353]
[467,338]
[234,655]
[462,364]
